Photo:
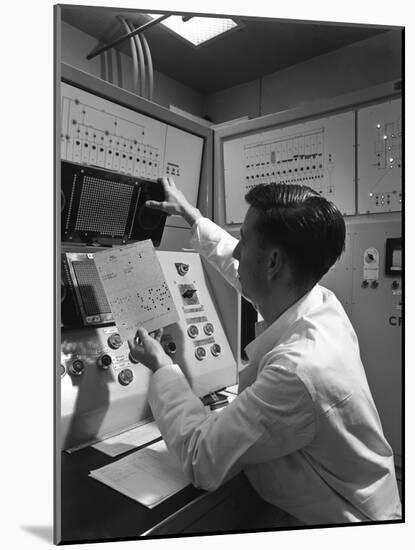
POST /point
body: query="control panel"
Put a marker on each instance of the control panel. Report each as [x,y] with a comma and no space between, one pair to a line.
[103,390]
[317,153]
[380,157]
[101,133]
[197,342]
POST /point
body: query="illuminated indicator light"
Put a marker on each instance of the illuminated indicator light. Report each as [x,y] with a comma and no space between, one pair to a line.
[370,194]
[391,160]
[385,137]
[378,125]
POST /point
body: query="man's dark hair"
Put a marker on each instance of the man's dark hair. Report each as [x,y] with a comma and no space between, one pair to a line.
[308,227]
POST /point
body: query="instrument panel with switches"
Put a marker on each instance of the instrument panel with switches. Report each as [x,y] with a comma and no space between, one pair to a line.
[103,389]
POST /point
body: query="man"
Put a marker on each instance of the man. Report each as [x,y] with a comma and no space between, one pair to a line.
[304,427]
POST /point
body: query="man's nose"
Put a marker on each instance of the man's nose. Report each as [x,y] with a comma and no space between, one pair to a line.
[235,253]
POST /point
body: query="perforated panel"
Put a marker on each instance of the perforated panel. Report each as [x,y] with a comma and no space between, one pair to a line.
[104,206]
[90,287]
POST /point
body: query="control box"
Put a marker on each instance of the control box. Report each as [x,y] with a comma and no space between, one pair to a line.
[103,391]
[368,283]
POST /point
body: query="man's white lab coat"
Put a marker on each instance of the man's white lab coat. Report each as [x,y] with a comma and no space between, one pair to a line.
[304,427]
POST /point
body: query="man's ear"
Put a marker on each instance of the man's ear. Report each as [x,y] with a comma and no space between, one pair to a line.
[276,261]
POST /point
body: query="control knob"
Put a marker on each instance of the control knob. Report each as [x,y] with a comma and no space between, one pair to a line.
[208,328]
[77,367]
[104,361]
[193,331]
[114,341]
[200,353]
[125,377]
[189,293]
[215,349]
[170,348]
[182,269]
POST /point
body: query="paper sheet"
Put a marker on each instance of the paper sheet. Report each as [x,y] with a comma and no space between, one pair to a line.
[149,476]
[135,287]
[128,440]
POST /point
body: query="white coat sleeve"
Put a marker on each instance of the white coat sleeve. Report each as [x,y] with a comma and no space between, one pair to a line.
[216,245]
[271,418]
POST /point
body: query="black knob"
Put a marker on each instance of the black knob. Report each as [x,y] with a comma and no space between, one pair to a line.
[182,269]
[200,353]
[104,361]
[208,329]
[193,331]
[365,283]
[125,377]
[114,341]
[171,348]
[215,350]
[132,359]
[189,293]
[375,284]
[395,284]
[77,368]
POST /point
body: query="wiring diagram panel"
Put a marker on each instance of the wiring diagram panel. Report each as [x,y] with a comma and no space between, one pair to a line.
[379,156]
[317,153]
[99,132]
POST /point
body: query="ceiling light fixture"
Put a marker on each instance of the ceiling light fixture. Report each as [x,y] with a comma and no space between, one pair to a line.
[197,30]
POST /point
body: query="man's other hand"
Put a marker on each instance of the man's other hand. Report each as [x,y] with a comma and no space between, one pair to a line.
[146,349]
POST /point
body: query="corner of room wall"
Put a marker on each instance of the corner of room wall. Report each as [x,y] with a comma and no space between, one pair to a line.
[355,67]
[75,47]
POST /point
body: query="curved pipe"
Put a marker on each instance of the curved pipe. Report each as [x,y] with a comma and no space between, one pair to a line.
[140,54]
[150,67]
[133,53]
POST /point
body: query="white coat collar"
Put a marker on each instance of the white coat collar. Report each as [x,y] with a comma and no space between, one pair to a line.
[269,336]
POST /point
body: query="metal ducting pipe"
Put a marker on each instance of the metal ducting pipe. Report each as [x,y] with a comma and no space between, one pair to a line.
[134,55]
[140,54]
[149,66]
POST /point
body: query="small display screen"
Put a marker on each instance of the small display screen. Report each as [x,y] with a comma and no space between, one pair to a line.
[85,302]
[393,256]
[90,288]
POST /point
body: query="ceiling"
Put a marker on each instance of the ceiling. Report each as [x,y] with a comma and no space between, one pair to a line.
[259,47]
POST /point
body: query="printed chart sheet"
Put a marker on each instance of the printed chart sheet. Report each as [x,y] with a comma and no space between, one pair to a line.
[135,287]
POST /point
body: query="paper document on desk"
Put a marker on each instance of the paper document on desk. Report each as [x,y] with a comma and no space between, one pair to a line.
[135,287]
[149,476]
[128,440]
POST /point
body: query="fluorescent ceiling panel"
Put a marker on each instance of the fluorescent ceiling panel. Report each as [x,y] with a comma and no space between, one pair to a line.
[197,30]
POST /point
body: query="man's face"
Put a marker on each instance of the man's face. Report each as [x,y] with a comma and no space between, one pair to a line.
[253,259]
